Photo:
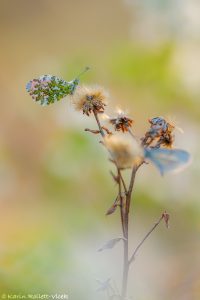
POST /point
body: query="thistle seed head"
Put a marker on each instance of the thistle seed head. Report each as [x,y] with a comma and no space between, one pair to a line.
[160,134]
[89,99]
[124,151]
[121,122]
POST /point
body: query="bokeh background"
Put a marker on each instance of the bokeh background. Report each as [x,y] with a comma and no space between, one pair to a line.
[55,185]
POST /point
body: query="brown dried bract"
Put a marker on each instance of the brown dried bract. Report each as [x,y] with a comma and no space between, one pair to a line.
[89,99]
[159,134]
[166,217]
[121,123]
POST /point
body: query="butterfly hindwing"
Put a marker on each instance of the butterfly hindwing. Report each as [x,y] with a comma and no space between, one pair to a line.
[168,160]
[48,89]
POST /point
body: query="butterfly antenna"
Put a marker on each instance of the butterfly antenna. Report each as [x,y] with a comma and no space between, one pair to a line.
[83,72]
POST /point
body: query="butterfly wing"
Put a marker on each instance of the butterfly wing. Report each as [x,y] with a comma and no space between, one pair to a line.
[168,160]
[48,89]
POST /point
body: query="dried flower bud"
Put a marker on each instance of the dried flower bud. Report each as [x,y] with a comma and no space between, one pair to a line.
[166,217]
[124,151]
[48,89]
[88,99]
[121,122]
[159,134]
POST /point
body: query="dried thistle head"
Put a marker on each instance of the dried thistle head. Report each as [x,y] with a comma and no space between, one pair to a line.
[159,134]
[121,122]
[158,124]
[89,99]
[167,138]
[124,151]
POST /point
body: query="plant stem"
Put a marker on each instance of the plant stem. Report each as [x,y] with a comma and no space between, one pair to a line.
[126,236]
[124,212]
[130,189]
[121,204]
[125,270]
[98,123]
[143,240]
[126,259]
[123,183]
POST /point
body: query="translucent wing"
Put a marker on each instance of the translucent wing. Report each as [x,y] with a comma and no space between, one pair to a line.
[48,89]
[168,160]
[103,285]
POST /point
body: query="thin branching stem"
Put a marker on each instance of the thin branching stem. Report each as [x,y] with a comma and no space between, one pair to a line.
[121,203]
[130,188]
[144,239]
[124,217]
[126,242]
[126,258]
[123,182]
[98,123]
[131,133]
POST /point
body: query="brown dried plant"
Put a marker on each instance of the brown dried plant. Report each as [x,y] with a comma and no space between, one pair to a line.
[126,153]
[124,150]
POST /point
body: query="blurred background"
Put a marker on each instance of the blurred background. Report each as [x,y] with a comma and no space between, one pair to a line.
[55,185]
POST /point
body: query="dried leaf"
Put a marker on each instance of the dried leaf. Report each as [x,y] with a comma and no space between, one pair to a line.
[92,131]
[115,178]
[165,216]
[106,130]
[110,244]
[112,209]
[104,285]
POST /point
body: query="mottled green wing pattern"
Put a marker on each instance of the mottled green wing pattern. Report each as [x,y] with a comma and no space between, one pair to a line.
[49,89]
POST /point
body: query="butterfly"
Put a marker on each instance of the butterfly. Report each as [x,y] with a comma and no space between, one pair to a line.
[167,160]
[49,89]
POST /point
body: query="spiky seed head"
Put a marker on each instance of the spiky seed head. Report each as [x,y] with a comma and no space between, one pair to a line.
[88,99]
[160,134]
[121,122]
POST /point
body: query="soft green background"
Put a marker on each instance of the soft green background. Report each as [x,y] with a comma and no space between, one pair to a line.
[55,185]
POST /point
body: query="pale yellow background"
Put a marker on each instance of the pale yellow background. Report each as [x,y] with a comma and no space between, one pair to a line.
[55,185]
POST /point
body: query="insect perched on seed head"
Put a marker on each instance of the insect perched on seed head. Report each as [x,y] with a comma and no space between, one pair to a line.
[49,89]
